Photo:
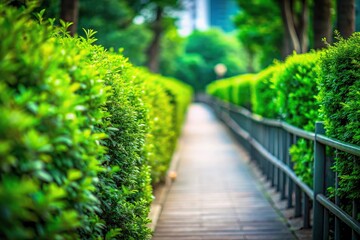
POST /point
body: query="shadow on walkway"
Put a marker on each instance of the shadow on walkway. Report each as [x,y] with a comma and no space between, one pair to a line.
[215,196]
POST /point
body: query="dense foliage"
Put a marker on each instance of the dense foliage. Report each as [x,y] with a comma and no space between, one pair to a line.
[340,84]
[196,65]
[221,89]
[297,86]
[236,90]
[296,83]
[79,131]
[264,95]
[260,30]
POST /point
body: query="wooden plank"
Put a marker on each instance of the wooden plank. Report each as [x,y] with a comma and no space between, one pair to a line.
[215,196]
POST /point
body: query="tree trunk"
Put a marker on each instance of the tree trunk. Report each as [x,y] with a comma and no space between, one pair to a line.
[69,13]
[250,61]
[346,17]
[288,21]
[302,28]
[153,50]
[322,23]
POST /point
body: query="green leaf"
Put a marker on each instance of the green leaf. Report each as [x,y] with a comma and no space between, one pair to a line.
[74,174]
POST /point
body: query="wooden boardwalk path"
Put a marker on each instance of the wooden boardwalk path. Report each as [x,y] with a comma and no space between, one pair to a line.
[215,195]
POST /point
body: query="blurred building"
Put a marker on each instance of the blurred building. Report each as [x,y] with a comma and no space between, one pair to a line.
[221,12]
[202,14]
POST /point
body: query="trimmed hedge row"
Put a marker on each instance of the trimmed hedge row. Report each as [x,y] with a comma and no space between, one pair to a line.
[263,93]
[165,120]
[296,83]
[236,90]
[80,128]
[290,91]
[340,98]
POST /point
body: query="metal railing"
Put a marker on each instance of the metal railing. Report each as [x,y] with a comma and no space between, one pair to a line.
[268,142]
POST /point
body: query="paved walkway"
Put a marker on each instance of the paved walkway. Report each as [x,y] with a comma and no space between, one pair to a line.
[215,196]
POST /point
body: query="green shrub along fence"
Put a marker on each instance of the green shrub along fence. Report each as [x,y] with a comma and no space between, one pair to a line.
[81,133]
[302,90]
[235,90]
[297,83]
[340,98]
[263,93]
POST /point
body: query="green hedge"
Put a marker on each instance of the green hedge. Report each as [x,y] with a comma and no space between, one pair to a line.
[297,85]
[340,84]
[79,128]
[51,102]
[264,95]
[241,90]
[236,90]
[220,89]
[166,120]
[124,187]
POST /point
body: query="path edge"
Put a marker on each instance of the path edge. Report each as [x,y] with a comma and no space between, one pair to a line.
[161,191]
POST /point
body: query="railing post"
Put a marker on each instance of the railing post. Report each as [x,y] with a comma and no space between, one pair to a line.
[306,215]
[290,140]
[251,131]
[298,205]
[355,211]
[283,153]
[319,183]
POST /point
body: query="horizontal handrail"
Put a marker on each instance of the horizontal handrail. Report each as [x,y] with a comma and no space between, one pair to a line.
[236,128]
[346,218]
[254,117]
[298,131]
[346,147]
[284,168]
[267,121]
[244,134]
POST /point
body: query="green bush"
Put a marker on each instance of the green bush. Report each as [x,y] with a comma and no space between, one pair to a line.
[296,81]
[124,187]
[79,129]
[297,85]
[162,132]
[181,97]
[220,89]
[50,103]
[168,101]
[264,94]
[236,90]
[339,95]
[241,90]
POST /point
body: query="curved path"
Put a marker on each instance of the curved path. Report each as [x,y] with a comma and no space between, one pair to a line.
[215,195]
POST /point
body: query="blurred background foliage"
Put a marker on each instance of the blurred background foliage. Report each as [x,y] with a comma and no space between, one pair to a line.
[149,38]
[147,32]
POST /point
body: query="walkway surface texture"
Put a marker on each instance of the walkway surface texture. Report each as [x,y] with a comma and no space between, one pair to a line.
[215,195]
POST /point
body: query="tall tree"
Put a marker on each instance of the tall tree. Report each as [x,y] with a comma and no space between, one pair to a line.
[346,17]
[295,14]
[159,20]
[322,22]
[114,23]
[153,51]
[69,13]
[260,31]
